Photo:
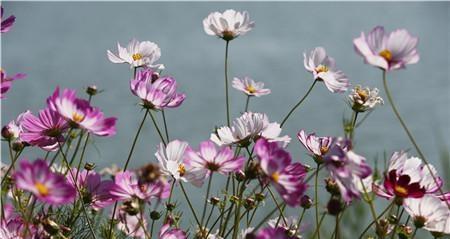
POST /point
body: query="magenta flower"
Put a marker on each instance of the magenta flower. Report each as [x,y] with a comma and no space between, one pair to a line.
[324,69]
[37,178]
[316,146]
[131,225]
[387,51]
[213,160]
[95,191]
[126,186]
[44,131]
[80,113]
[250,87]
[6,81]
[407,178]
[286,177]
[174,233]
[156,92]
[11,224]
[6,23]
[274,233]
[347,168]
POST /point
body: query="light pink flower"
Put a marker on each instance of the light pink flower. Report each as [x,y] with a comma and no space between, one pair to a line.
[6,81]
[430,212]
[171,233]
[126,186]
[273,233]
[131,224]
[388,51]
[250,87]
[137,54]
[6,23]
[13,129]
[316,146]
[324,69]
[227,25]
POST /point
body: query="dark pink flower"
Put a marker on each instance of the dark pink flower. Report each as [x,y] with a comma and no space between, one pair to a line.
[80,113]
[6,23]
[37,178]
[171,233]
[286,177]
[11,224]
[6,81]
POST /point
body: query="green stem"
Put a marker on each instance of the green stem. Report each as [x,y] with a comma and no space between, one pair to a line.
[414,233]
[82,156]
[170,197]
[157,128]
[165,125]
[278,205]
[77,147]
[246,103]
[237,219]
[227,102]
[300,221]
[206,199]
[317,231]
[316,197]
[264,220]
[378,218]
[190,205]
[298,104]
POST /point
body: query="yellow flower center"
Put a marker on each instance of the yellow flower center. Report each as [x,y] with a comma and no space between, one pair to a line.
[181,169]
[275,176]
[386,54]
[137,56]
[228,35]
[77,118]
[323,150]
[42,189]
[363,94]
[251,89]
[322,68]
[401,191]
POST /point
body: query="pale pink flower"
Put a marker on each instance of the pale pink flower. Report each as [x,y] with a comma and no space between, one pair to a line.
[137,54]
[363,99]
[131,225]
[227,25]
[250,87]
[316,146]
[171,233]
[429,212]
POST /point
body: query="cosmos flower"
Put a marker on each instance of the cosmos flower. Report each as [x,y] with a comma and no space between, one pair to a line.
[429,213]
[250,126]
[171,233]
[213,160]
[250,87]
[6,23]
[273,233]
[131,225]
[13,129]
[95,191]
[346,168]
[285,176]
[11,223]
[6,81]
[156,92]
[45,130]
[80,113]
[363,99]
[37,178]
[316,146]
[388,51]
[227,25]
[137,54]
[324,69]
[407,177]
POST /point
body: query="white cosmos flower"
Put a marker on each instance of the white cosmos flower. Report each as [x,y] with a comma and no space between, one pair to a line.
[248,127]
[228,25]
[171,161]
[250,87]
[429,212]
[363,99]
[137,54]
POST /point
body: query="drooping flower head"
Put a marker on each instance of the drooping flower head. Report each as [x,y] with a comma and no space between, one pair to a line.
[429,213]
[6,23]
[37,178]
[324,69]
[171,233]
[250,126]
[45,130]
[286,177]
[6,81]
[228,25]
[363,99]
[316,146]
[156,92]
[213,160]
[407,177]
[80,113]
[346,167]
[137,54]
[388,51]
[250,87]
[172,163]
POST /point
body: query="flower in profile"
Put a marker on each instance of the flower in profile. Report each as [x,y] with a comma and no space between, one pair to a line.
[6,23]
[316,146]
[137,54]
[94,190]
[324,69]
[171,233]
[13,129]
[250,126]
[131,225]
[286,177]
[429,213]
[290,224]
[45,130]
[363,99]
[6,81]
[79,113]
[346,168]
[11,223]
[274,233]
[37,178]
[388,51]
[407,178]
[250,87]
[213,160]
[228,25]
[156,92]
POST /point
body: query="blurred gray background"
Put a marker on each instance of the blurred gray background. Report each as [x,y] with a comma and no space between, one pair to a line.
[65,44]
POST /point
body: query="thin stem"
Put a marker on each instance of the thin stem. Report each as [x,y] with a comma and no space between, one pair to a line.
[227,102]
[237,219]
[190,205]
[170,197]
[265,219]
[82,156]
[300,220]
[13,162]
[298,104]
[246,103]
[378,218]
[77,147]
[206,199]
[278,206]
[370,202]
[317,231]
[414,233]
[316,197]
[157,128]
[165,125]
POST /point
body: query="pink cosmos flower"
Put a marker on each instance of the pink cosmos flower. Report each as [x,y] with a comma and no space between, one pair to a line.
[80,113]
[156,92]
[48,187]
[324,69]
[131,224]
[44,131]
[6,81]
[407,177]
[227,25]
[429,212]
[387,51]
[286,177]
[137,54]
[316,146]
[13,129]
[11,224]
[6,23]
[126,186]
[95,191]
[213,160]
[250,87]
[274,233]
[347,168]
[174,233]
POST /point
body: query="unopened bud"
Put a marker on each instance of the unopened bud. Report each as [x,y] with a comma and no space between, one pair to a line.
[260,197]
[155,215]
[17,146]
[8,133]
[89,166]
[404,232]
[214,200]
[131,207]
[234,199]
[334,206]
[392,219]
[91,90]
[382,228]
[306,202]
[170,206]
[331,186]
[249,203]
[240,176]
[50,226]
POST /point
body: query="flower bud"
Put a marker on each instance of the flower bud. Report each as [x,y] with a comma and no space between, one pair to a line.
[335,206]
[170,206]
[17,146]
[234,199]
[253,170]
[131,207]
[50,226]
[201,233]
[332,187]
[155,215]
[8,133]
[392,219]
[240,176]
[306,202]
[260,197]
[382,228]
[249,203]
[214,200]
[91,90]
[89,166]
[404,232]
